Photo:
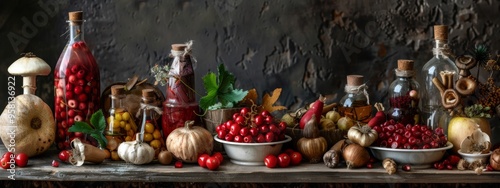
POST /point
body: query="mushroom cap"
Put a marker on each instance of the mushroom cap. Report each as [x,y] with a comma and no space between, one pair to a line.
[29,65]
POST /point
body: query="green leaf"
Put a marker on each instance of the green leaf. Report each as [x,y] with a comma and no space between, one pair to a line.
[225,80]
[220,89]
[234,96]
[208,100]
[98,121]
[80,126]
[100,138]
[210,82]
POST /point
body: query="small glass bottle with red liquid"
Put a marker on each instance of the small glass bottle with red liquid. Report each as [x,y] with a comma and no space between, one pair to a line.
[403,95]
[149,113]
[356,102]
[180,104]
[76,84]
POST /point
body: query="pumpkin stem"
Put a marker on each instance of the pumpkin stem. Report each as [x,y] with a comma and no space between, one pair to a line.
[189,124]
[28,54]
[36,123]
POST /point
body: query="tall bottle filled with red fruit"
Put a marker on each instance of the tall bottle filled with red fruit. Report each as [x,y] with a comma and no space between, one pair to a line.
[180,104]
[76,84]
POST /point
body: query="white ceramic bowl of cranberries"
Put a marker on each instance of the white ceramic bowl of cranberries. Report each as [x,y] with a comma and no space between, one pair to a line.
[251,154]
[417,158]
[416,145]
[250,136]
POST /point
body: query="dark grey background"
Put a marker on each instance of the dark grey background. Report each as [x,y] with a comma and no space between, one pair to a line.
[307,47]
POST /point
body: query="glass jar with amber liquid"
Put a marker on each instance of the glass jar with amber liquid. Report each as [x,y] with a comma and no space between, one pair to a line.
[356,102]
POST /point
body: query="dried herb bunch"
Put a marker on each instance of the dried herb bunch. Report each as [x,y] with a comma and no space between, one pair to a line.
[489,92]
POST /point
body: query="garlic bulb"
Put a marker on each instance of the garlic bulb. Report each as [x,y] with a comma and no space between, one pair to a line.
[136,152]
[477,143]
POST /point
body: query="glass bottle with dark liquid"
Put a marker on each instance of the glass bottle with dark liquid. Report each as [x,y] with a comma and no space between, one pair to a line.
[356,102]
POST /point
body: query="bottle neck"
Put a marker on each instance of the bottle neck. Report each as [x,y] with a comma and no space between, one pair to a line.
[75,31]
[439,47]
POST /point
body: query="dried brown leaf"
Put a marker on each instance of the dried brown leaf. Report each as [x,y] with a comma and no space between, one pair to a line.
[268,101]
[250,99]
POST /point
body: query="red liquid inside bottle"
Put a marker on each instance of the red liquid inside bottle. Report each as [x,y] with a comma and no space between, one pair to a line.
[76,85]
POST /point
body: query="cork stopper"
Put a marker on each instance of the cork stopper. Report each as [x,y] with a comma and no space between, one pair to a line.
[117,90]
[441,32]
[404,64]
[179,47]
[148,93]
[76,16]
[354,80]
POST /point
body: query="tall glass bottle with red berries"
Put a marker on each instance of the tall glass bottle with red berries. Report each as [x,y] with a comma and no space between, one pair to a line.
[76,84]
[149,113]
[403,95]
[180,104]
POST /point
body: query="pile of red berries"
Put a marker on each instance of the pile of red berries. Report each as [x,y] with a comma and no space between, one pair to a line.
[249,126]
[396,135]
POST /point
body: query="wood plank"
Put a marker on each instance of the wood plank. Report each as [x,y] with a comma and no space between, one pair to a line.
[40,169]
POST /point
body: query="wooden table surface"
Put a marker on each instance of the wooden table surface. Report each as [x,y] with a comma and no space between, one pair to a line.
[40,169]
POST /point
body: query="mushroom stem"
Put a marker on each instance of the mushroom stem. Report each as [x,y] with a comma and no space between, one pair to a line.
[29,84]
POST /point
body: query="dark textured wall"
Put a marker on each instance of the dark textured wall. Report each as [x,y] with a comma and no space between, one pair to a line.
[305,46]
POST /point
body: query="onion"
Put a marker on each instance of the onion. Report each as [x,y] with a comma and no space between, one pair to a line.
[355,156]
[495,159]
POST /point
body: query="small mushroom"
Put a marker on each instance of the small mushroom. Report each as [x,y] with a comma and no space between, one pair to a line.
[465,63]
[477,143]
[29,67]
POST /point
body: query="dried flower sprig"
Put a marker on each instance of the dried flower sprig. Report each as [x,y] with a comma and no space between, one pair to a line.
[161,74]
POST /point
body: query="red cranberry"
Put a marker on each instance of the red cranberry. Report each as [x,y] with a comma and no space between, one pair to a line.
[71,113]
[80,82]
[72,79]
[78,90]
[87,89]
[229,137]
[88,77]
[80,74]
[261,138]
[78,118]
[270,137]
[82,97]
[238,138]
[82,106]
[69,95]
[72,103]
[248,139]
[75,68]
[71,121]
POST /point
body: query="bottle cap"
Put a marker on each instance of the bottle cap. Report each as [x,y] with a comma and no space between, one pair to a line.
[148,93]
[76,16]
[441,32]
[405,64]
[179,47]
[354,80]
[117,90]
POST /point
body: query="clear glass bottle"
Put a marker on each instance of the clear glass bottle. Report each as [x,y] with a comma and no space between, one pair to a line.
[76,84]
[356,102]
[180,105]
[403,95]
[149,114]
[433,113]
[120,123]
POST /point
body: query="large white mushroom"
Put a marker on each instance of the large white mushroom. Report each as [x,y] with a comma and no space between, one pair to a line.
[29,67]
